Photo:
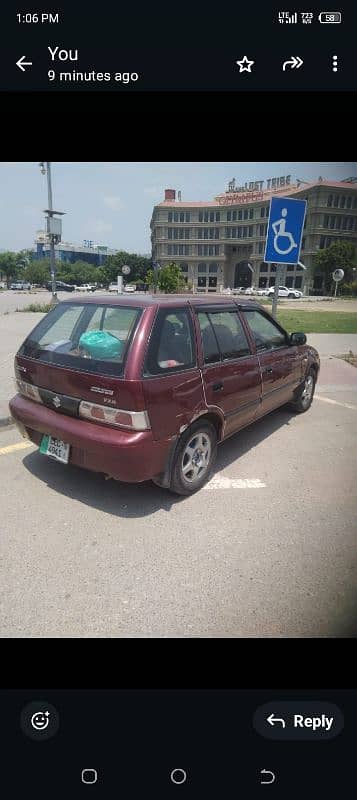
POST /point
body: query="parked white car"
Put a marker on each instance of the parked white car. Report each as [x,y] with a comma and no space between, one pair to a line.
[285,291]
[86,287]
[262,292]
[250,290]
[113,287]
[238,290]
[130,287]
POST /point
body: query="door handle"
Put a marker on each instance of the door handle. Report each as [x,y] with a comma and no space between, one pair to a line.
[217,387]
[268,370]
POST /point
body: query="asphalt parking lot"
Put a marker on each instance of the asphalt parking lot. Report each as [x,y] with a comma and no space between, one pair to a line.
[268,548]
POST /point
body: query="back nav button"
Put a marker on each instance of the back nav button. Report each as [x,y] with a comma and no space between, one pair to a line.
[295,720]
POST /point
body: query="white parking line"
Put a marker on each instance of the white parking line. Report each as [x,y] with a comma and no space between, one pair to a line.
[234,483]
[335,402]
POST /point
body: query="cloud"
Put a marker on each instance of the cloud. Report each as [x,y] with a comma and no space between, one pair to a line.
[113,202]
[99,226]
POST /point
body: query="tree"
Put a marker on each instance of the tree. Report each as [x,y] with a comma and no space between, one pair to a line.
[8,266]
[340,255]
[37,271]
[170,278]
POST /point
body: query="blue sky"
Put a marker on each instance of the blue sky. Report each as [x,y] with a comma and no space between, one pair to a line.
[111,202]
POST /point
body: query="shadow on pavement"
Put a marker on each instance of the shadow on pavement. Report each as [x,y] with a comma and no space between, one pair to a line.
[140,500]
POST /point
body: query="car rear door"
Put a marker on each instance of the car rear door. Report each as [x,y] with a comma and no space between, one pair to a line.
[230,370]
[280,362]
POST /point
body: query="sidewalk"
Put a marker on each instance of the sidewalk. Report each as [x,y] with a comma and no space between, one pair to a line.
[15,327]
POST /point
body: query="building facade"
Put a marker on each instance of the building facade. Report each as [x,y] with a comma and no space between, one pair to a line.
[221,243]
[69,253]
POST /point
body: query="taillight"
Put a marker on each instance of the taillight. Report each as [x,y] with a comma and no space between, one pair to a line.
[28,390]
[133,420]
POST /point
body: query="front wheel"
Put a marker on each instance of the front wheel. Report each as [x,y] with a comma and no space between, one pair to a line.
[306,393]
[194,458]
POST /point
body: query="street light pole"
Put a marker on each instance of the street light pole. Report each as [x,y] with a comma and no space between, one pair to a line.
[45,167]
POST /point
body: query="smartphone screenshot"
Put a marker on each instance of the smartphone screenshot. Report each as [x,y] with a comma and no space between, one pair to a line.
[178,743]
[238,49]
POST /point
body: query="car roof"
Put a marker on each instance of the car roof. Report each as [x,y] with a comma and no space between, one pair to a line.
[145,301]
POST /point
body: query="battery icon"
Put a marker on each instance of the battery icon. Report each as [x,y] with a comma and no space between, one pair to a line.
[330,16]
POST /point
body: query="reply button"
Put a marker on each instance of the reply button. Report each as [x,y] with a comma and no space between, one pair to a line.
[298,720]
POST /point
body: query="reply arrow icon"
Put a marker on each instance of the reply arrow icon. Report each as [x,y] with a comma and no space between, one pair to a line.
[295,63]
[21,64]
[272,720]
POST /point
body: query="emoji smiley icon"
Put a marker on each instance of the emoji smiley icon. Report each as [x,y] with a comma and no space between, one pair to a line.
[40,720]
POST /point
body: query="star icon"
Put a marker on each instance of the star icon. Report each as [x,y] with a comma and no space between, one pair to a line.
[245,65]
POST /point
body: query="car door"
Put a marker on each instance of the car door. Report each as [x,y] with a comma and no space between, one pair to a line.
[280,362]
[230,370]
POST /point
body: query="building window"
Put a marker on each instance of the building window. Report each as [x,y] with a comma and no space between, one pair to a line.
[322,242]
[299,268]
[332,222]
[176,216]
[338,223]
[200,216]
[229,216]
[202,267]
[213,268]
[263,267]
[182,217]
[250,230]
[188,216]
[355,202]
[289,281]
[201,282]
[349,202]
[335,201]
[260,247]
[273,268]
[298,282]
[170,216]
[329,200]
[344,223]
[245,213]
[184,267]
[342,201]
[218,216]
[350,223]
[169,233]
[326,220]
[240,214]
[261,230]
[251,213]
[211,216]
[267,211]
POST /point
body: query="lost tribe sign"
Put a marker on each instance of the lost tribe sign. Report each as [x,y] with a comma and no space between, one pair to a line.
[252,190]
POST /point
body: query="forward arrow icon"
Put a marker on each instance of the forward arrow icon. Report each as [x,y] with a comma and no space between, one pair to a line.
[295,63]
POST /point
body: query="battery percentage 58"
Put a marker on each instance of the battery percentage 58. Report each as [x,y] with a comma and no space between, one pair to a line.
[330,16]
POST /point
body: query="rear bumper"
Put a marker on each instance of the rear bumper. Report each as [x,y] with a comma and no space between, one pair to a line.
[132,457]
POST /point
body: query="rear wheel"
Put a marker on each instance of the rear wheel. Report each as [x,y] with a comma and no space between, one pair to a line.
[306,393]
[292,295]
[194,458]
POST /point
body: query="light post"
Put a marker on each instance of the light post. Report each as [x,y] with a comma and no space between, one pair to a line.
[54,226]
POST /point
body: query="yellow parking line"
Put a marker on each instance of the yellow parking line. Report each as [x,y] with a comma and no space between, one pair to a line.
[11,447]
[335,402]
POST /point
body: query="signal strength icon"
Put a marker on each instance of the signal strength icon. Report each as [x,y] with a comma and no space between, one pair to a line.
[286,17]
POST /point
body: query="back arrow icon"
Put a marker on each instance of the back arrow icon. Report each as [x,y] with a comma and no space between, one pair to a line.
[267,772]
[272,720]
[295,61]
[21,64]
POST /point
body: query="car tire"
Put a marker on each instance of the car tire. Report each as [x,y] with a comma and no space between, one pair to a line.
[194,458]
[291,295]
[305,393]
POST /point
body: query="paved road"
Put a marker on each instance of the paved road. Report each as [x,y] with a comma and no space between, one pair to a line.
[268,548]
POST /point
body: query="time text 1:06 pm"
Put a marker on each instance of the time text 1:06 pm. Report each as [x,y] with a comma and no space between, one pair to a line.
[38,17]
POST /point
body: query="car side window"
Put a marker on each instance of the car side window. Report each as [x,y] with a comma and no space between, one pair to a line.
[266,334]
[172,347]
[222,336]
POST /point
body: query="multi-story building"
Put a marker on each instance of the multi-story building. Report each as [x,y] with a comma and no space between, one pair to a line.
[65,251]
[221,243]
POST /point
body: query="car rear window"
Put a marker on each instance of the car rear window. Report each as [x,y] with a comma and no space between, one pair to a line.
[87,337]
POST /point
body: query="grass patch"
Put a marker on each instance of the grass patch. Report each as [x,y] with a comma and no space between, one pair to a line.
[318,321]
[42,308]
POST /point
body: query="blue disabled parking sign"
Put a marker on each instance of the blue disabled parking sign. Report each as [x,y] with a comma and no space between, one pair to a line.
[285,229]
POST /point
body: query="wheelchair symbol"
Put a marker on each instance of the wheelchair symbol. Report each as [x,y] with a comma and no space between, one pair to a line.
[280,232]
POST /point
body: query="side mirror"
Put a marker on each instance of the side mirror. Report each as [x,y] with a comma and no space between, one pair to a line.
[297,338]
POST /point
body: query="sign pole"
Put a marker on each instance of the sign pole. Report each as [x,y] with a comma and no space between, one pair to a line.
[279,273]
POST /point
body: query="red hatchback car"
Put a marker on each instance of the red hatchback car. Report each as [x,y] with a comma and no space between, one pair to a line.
[145,388]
